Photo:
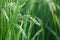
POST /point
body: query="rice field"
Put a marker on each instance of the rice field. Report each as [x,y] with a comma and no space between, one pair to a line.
[29,19]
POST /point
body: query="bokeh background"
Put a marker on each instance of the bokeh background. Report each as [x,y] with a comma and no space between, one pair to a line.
[29,19]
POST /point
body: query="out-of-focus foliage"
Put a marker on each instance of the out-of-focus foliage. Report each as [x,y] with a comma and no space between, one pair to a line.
[29,19]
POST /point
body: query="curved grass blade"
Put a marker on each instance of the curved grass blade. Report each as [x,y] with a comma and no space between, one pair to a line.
[5,14]
[54,33]
[22,31]
[37,33]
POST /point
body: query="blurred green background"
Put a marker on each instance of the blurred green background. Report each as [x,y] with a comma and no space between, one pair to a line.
[29,19]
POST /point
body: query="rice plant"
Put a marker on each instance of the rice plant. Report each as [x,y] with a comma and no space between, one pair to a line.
[29,19]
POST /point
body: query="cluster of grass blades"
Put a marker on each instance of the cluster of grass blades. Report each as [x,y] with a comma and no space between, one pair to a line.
[29,19]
